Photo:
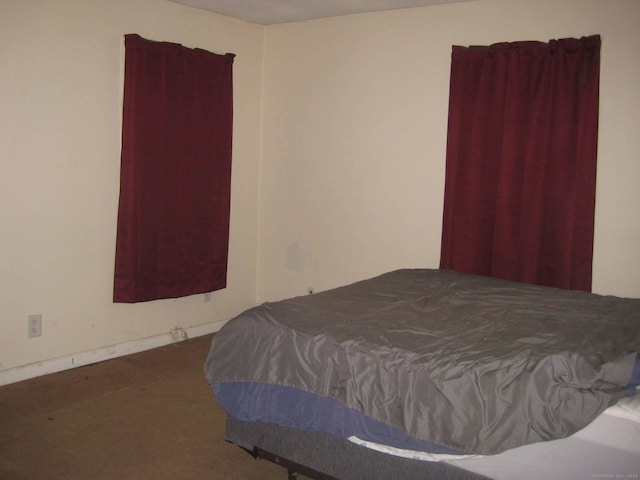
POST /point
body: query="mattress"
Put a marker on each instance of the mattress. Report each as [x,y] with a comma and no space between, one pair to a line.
[292,408]
[458,363]
[607,448]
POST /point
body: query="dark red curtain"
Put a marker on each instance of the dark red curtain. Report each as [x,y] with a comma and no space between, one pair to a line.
[175,180]
[521,161]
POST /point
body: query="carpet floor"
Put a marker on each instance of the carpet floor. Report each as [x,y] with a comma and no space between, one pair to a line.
[150,415]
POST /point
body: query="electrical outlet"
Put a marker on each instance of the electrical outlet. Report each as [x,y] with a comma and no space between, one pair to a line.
[311,290]
[34,324]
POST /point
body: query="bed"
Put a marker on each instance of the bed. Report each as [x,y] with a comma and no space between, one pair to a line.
[421,373]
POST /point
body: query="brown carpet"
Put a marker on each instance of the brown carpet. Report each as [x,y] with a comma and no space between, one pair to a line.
[151,415]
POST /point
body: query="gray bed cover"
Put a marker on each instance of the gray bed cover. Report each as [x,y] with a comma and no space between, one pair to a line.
[472,363]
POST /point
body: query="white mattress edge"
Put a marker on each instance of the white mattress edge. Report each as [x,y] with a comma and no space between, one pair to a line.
[627,407]
[412,454]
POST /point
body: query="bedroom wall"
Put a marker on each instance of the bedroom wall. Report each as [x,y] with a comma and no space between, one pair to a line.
[61,73]
[352,162]
[355,119]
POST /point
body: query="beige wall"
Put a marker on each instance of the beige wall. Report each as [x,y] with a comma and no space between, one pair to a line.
[61,73]
[354,129]
[349,173]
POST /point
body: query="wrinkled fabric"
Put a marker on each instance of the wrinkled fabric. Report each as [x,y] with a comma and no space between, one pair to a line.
[472,363]
[295,408]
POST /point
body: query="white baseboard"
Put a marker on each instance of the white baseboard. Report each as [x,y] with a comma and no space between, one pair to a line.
[45,367]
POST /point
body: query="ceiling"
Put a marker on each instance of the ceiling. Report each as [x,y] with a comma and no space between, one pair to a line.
[268,12]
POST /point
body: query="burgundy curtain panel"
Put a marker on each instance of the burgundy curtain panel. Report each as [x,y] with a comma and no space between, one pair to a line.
[521,161]
[175,178]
